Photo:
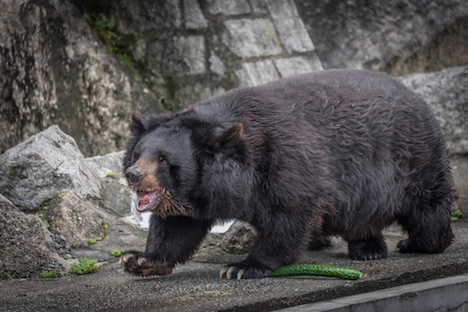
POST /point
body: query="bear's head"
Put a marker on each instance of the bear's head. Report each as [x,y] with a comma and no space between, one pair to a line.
[182,165]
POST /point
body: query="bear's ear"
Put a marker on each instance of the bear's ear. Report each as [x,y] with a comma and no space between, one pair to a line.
[215,137]
[137,125]
[231,134]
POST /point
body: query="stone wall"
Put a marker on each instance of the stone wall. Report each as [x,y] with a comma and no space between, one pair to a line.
[197,49]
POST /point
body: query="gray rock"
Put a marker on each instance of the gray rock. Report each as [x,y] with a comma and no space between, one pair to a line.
[192,93]
[292,66]
[115,195]
[44,166]
[26,246]
[446,92]
[194,18]
[108,165]
[251,37]
[256,73]
[216,65]
[177,56]
[239,239]
[290,26]
[75,219]
[141,16]
[259,6]
[228,7]
[211,251]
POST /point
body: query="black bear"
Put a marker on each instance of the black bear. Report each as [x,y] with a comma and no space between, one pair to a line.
[339,152]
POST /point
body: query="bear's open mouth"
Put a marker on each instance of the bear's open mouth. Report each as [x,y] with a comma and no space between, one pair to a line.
[148,199]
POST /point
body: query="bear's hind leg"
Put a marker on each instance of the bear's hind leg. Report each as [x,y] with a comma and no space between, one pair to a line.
[371,248]
[428,229]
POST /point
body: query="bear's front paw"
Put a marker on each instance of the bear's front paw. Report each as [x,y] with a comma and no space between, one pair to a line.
[246,271]
[141,264]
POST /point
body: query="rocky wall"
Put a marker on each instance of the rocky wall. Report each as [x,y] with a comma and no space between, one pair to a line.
[55,70]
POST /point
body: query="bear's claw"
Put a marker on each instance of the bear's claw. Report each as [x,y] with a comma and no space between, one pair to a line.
[228,271]
[245,271]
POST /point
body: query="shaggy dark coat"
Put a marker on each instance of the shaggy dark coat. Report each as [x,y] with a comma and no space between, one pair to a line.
[340,152]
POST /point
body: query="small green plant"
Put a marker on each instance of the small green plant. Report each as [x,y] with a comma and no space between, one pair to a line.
[46,223]
[85,266]
[51,274]
[105,226]
[46,208]
[456,215]
[117,253]
[102,23]
[110,174]
[40,215]
[94,240]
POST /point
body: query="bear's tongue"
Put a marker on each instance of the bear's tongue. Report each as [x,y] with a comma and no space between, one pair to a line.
[147,199]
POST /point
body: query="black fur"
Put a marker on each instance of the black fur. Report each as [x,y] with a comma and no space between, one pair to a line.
[342,152]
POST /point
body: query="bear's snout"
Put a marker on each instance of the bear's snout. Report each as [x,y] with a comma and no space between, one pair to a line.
[133,176]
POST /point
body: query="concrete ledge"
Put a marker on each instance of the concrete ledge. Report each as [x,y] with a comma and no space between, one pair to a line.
[445,294]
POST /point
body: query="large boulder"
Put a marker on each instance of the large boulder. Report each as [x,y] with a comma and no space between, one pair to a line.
[446,93]
[26,246]
[42,167]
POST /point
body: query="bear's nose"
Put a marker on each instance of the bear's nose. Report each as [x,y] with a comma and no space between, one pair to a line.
[133,176]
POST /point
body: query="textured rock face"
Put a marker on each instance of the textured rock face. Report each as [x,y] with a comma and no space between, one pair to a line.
[177,56]
[256,73]
[54,70]
[395,36]
[290,26]
[26,246]
[75,219]
[244,42]
[44,166]
[446,92]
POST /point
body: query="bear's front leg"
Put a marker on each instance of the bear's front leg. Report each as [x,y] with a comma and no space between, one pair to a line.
[170,241]
[280,243]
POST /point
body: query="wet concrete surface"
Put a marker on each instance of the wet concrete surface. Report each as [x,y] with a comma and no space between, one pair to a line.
[197,287]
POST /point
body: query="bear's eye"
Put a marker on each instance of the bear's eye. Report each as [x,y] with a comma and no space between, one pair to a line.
[135,156]
[162,160]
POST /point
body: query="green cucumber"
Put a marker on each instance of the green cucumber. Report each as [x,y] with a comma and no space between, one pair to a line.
[316,270]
